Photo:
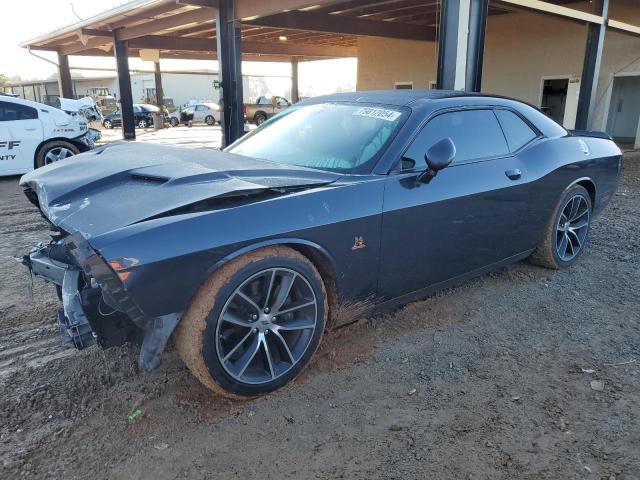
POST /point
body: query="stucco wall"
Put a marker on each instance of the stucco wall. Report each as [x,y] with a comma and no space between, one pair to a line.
[521,48]
[384,61]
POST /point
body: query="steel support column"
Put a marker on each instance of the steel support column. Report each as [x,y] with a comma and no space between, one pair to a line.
[591,66]
[121,51]
[158,82]
[475,50]
[230,71]
[65,86]
[452,44]
[295,92]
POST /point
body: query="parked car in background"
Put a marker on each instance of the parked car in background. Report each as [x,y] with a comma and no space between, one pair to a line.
[264,109]
[364,198]
[142,114]
[34,134]
[205,112]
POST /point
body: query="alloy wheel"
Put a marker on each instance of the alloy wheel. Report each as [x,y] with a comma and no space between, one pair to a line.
[57,153]
[266,326]
[572,228]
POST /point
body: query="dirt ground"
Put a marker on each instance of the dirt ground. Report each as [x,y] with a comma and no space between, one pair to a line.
[491,380]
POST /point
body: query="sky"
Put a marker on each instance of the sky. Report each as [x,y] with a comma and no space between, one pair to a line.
[27,19]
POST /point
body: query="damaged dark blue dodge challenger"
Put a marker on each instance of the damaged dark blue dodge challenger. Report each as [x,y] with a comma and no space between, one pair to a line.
[246,255]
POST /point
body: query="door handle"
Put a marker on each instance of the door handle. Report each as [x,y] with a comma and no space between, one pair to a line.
[514,174]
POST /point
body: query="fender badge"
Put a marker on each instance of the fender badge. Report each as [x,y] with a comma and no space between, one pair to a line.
[358,243]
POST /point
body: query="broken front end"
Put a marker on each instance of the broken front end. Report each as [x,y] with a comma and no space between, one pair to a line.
[96,307]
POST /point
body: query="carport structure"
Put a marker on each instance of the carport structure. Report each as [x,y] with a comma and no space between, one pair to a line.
[300,30]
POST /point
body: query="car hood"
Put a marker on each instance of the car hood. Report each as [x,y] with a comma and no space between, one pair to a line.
[126,183]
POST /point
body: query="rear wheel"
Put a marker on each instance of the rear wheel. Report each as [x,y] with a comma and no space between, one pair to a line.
[209,120]
[108,124]
[55,150]
[260,118]
[255,324]
[143,123]
[567,233]
[174,122]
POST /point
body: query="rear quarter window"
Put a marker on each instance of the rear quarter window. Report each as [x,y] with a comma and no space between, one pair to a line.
[516,130]
[14,111]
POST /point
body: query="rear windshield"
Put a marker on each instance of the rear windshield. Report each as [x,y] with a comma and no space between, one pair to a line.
[338,137]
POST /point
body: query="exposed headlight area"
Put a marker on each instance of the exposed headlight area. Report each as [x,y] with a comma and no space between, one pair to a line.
[95,304]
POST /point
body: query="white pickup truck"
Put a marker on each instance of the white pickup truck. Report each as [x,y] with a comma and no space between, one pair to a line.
[34,134]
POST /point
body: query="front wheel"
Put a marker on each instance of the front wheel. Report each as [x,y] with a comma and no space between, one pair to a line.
[108,124]
[142,123]
[209,120]
[174,122]
[567,232]
[55,150]
[254,324]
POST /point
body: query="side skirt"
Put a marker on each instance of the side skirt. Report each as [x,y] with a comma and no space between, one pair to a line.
[394,303]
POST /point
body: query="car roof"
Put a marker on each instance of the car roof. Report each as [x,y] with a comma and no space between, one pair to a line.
[22,101]
[401,97]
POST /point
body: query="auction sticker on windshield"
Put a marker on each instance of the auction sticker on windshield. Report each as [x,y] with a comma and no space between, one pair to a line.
[381,113]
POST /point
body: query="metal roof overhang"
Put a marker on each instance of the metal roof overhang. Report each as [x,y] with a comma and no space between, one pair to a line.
[313,29]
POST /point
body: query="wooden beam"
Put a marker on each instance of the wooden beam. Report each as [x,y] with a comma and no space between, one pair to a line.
[354,5]
[77,47]
[146,14]
[166,42]
[251,9]
[301,50]
[320,22]
[199,16]
[546,7]
[624,27]
[200,3]
[205,45]
[92,32]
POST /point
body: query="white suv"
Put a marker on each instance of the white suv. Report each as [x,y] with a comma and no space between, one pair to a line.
[33,135]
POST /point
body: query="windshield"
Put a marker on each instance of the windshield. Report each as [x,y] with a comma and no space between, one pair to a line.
[339,137]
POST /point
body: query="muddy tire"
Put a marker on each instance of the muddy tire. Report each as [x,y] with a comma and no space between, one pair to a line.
[567,233]
[53,151]
[255,323]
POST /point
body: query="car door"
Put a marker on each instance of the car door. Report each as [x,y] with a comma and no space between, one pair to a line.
[468,217]
[200,113]
[116,119]
[20,134]
[138,114]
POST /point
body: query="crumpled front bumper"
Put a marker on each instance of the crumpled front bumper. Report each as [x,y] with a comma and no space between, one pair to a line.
[85,282]
[73,324]
[90,138]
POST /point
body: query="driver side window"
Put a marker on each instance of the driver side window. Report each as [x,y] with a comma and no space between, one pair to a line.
[475,133]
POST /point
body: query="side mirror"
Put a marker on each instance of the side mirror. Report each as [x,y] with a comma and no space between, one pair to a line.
[439,156]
